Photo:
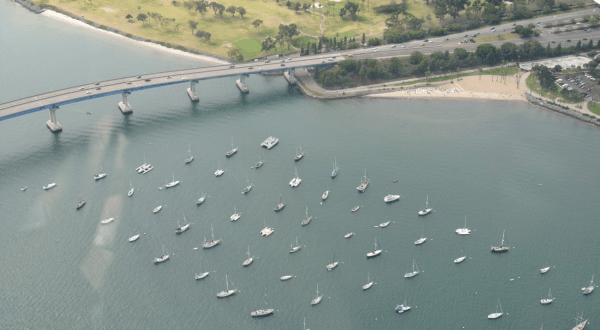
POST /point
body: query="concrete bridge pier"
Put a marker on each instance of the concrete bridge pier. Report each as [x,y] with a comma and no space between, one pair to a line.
[53,124]
[124,105]
[241,84]
[290,77]
[192,91]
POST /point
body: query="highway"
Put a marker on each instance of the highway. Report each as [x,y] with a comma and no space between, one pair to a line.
[131,84]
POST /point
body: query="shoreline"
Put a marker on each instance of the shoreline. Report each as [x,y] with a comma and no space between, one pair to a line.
[151,45]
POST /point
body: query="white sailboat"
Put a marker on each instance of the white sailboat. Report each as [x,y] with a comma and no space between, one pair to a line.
[548,300]
[202,274]
[545,270]
[158,208]
[213,242]
[325,195]
[219,171]
[267,230]
[460,259]
[164,257]
[496,314]
[364,183]
[414,272]
[501,248]
[427,209]
[260,163]
[134,238]
[333,263]
[232,151]
[201,198]
[250,259]
[285,277]
[369,282]
[375,252]
[107,220]
[190,156]
[589,289]
[279,206]
[296,180]
[306,220]
[317,298]
[299,155]
[100,175]
[580,322]
[350,234]
[295,248]
[180,229]
[402,308]
[131,190]
[262,312]
[227,292]
[464,230]
[421,240]
[235,216]
[172,183]
[335,170]
[248,186]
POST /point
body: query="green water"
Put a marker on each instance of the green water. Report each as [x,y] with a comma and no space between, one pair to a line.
[61,269]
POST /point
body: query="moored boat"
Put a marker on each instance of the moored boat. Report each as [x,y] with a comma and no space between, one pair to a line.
[213,242]
[134,238]
[364,183]
[270,142]
[49,186]
[391,198]
[501,248]
[325,195]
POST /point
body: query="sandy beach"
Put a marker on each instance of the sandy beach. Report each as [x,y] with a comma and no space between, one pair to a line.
[467,88]
[80,24]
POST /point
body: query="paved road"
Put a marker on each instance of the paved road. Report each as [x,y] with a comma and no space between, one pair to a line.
[131,84]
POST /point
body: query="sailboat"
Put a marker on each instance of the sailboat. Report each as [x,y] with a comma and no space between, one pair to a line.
[202,198]
[219,171]
[296,180]
[333,263]
[460,259]
[158,208]
[299,155]
[232,151]
[248,186]
[285,277]
[295,248]
[140,168]
[325,195]
[580,322]
[190,156]
[375,252]
[402,308]
[213,242]
[364,183]
[134,238]
[202,274]
[335,170]
[181,229]
[250,259]
[589,289]
[80,204]
[306,220]
[500,248]
[421,240]
[100,175]
[172,183]
[548,300]
[369,282]
[260,163]
[496,314]
[235,216]
[262,312]
[131,191]
[414,272]
[465,230]
[227,292]
[267,230]
[107,220]
[427,209]
[164,257]
[545,270]
[279,206]
[317,298]
[23,187]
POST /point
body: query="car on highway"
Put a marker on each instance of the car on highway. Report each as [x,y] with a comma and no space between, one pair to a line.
[553,41]
[267,61]
[289,59]
[232,66]
[375,49]
[584,38]
[80,89]
[129,83]
[466,36]
[147,80]
[568,40]
[98,88]
[402,46]
[97,84]
[260,69]
[514,24]
[331,59]
[250,68]
[282,64]
[350,55]
[139,76]
[393,46]
[474,35]
[493,28]
[88,92]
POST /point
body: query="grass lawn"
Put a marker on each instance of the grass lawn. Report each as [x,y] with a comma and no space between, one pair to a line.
[499,71]
[249,47]
[300,41]
[594,107]
[506,36]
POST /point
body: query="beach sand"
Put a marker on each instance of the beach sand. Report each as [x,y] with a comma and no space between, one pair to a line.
[467,88]
[150,45]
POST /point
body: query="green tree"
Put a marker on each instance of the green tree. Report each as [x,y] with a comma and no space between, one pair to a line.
[488,53]
[193,25]
[241,11]
[342,12]
[203,35]
[257,23]
[189,5]
[142,17]
[235,54]
[416,57]
[363,38]
[201,7]
[231,10]
[352,8]
[267,45]
[128,16]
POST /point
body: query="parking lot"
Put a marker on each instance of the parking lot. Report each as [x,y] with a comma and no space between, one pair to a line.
[582,82]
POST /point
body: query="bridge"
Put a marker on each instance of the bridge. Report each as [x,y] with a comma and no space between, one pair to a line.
[53,100]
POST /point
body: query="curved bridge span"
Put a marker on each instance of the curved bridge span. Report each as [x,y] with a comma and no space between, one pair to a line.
[127,85]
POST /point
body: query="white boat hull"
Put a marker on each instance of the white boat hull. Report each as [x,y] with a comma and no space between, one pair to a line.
[134,238]
[459,260]
[494,316]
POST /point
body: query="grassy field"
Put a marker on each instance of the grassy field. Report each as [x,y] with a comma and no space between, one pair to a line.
[493,72]
[506,36]
[594,107]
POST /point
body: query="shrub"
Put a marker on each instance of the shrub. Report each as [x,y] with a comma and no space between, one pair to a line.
[128,35]
[563,6]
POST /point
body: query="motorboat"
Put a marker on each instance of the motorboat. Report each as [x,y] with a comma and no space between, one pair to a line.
[286,277]
[235,216]
[427,209]
[402,308]
[391,198]
[296,180]
[501,248]
[134,238]
[227,292]
[317,298]
[23,187]
[164,257]
[190,156]
[295,248]
[249,260]
[107,221]
[375,252]
[465,230]
[364,183]
[213,242]
[459,260]
[279,206]
[336,169]
[232,151]
[369,282]
[549,300]
[496,314]
[306,220]
[354,209]
[219,171]
[414,272]
[349,235]
[589,289]
[172,183]
[325,195]
[181,229]
[270,142]
[49,186]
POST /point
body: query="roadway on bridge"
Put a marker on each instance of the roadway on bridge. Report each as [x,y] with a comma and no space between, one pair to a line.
[130,84]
